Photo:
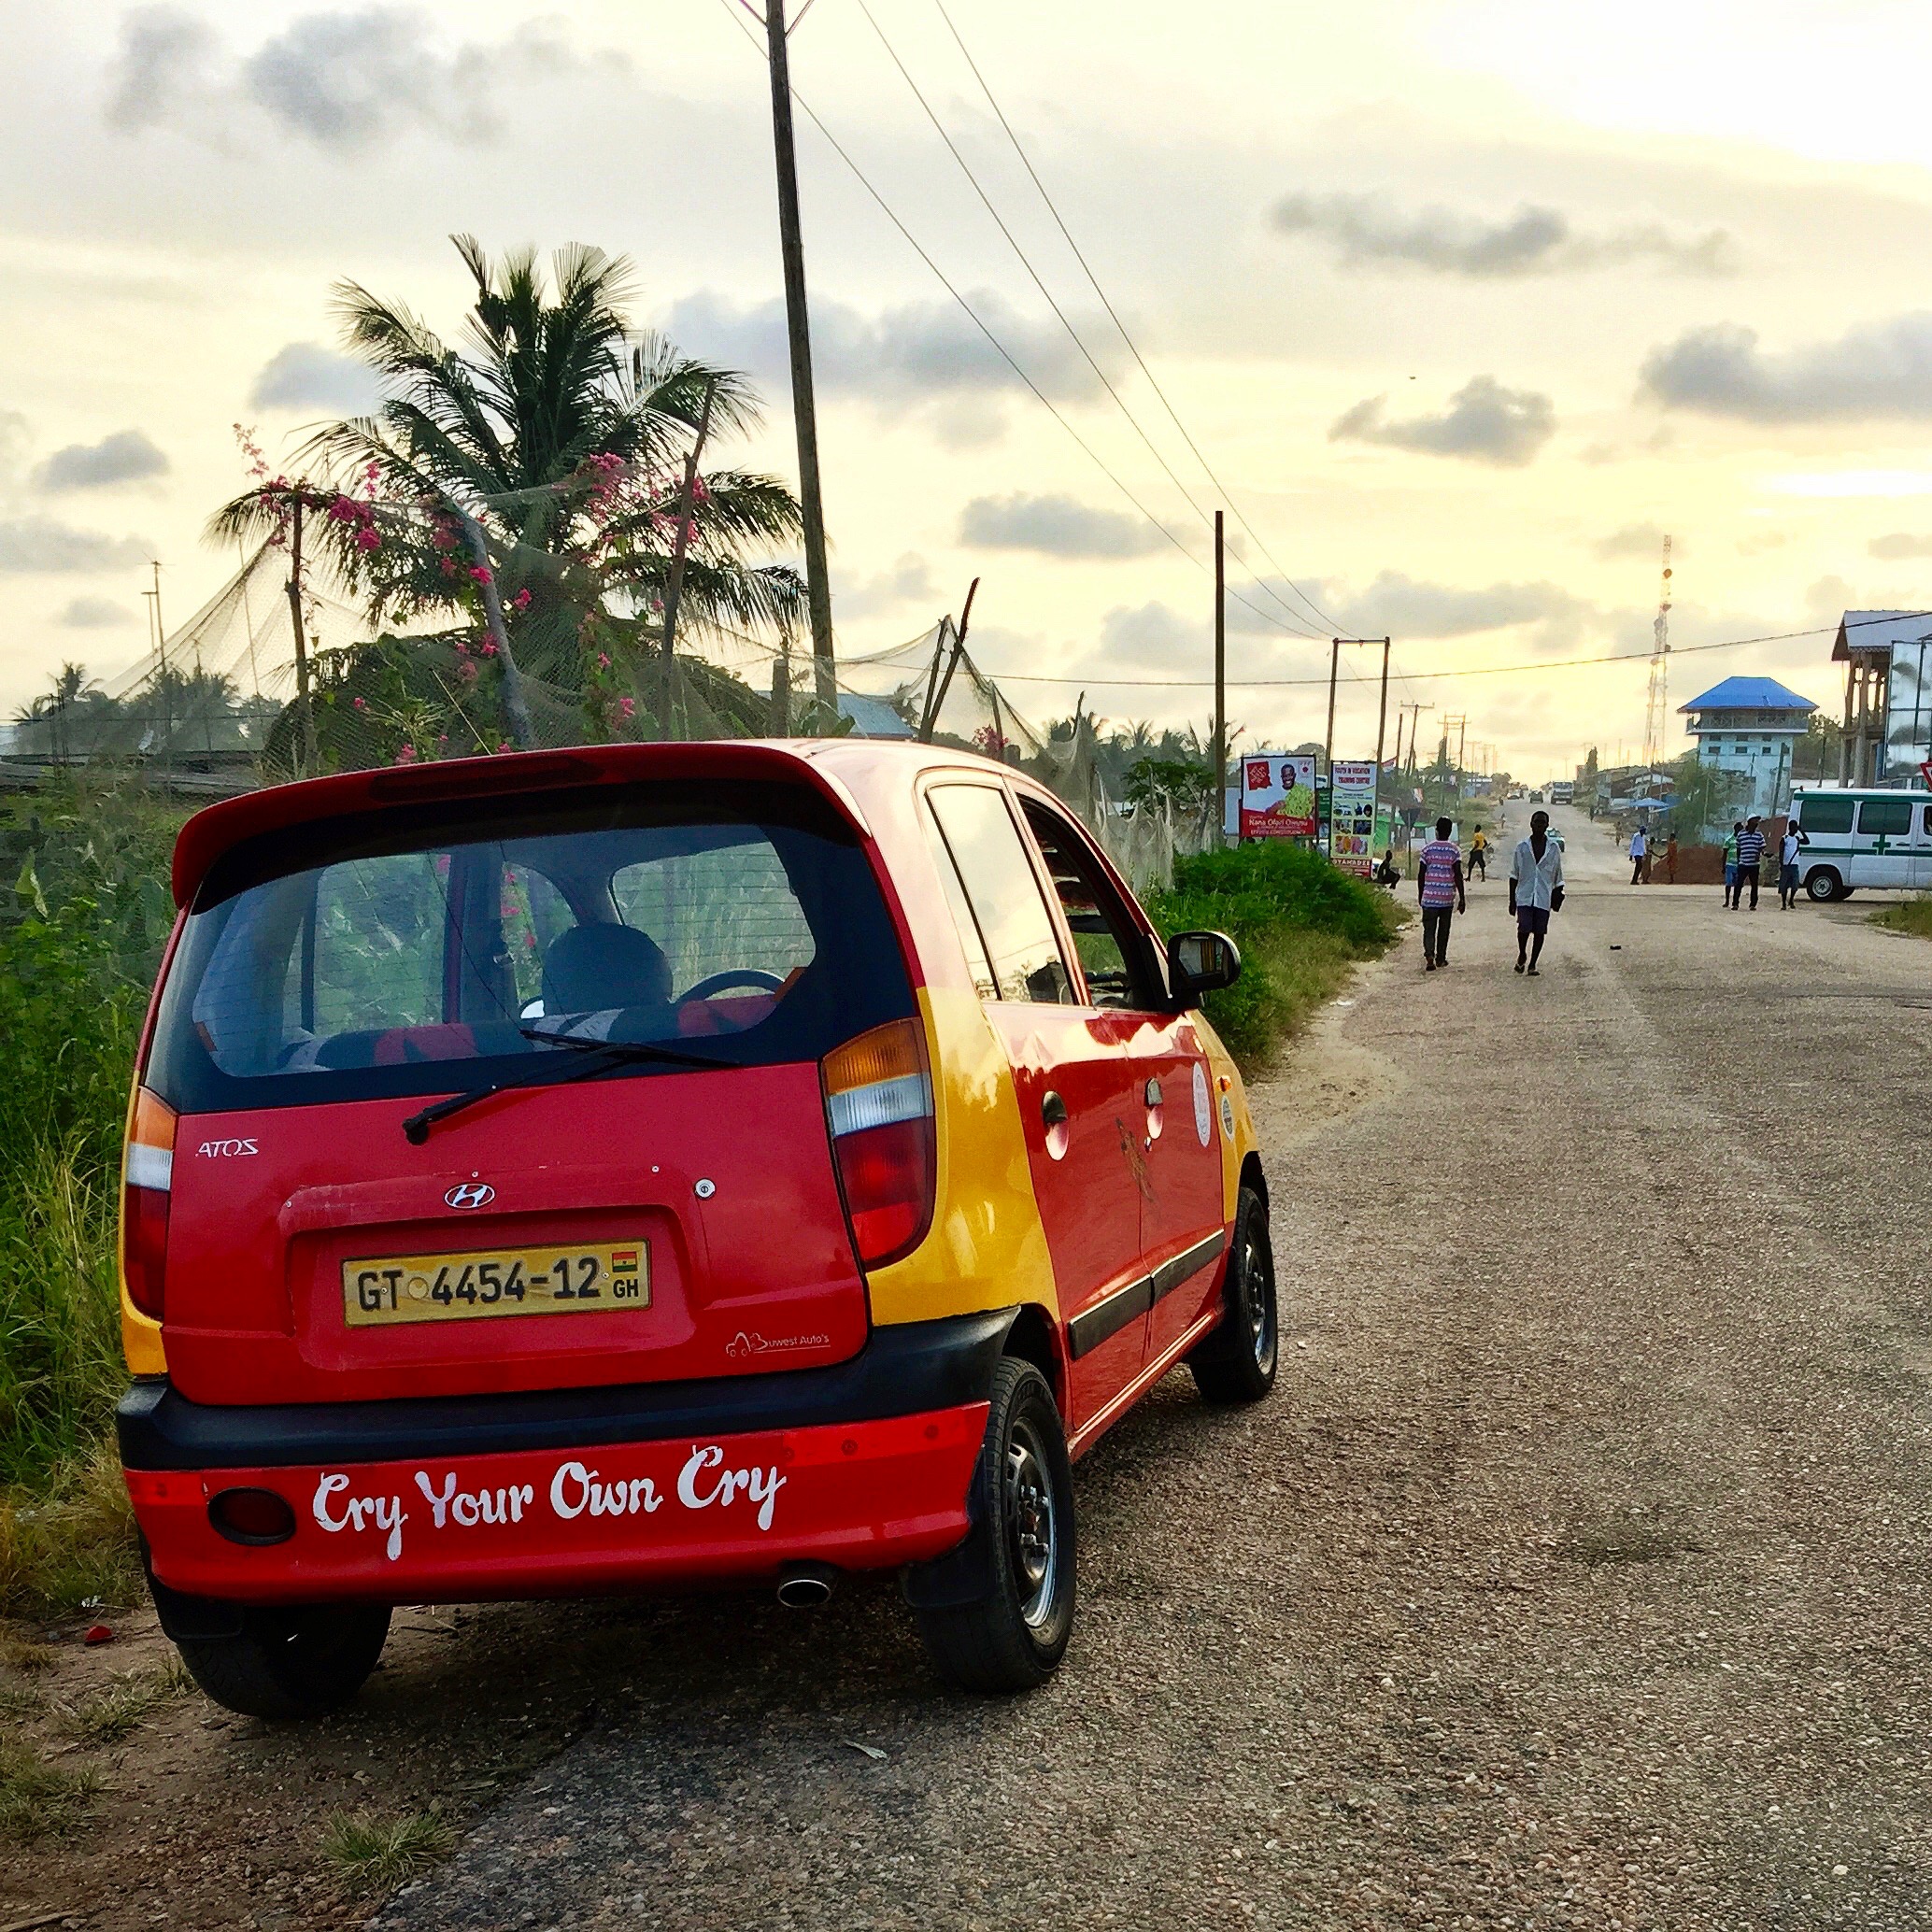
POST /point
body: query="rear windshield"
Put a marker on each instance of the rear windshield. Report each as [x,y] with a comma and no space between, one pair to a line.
[402,954]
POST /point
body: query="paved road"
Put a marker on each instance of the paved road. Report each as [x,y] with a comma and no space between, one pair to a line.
[1577,1575]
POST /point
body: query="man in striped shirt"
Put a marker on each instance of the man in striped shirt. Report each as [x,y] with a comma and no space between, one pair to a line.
[1750,855]
[1439,887]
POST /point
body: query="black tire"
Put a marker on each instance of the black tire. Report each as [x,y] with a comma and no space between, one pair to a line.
[301,1662]
[1822,885]
[1236,1363]
[1013,1637]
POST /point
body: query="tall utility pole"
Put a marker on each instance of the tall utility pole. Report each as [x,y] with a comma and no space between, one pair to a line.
[1221,683]
[1335,645]
[1334,665]
[1414,707]
[805,415]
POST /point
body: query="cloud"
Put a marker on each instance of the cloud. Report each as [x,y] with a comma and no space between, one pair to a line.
[1877,370]
[1398,605]
[922,357]
[128,455]
[34,545]
[307,375]
[1370,231]
[1634,540]
[1055,526]
[1153,637]
[345,80]
[1898,545]
[908,582]
[92,614]
[1484,422]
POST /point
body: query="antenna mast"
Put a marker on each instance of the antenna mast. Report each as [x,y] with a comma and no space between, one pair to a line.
[1657,709]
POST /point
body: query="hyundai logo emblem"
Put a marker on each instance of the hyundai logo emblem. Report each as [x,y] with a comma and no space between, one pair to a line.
[470,1194]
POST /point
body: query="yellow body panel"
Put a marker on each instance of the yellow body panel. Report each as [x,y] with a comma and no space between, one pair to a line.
[987,1245]
[1235,1148]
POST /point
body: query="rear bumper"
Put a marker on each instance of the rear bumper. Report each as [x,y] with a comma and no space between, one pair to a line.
[865,1466]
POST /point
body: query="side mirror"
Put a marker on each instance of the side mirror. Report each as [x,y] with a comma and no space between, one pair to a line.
[1201,962]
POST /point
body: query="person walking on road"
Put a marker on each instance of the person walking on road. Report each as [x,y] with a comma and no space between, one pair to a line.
[1536,890]
[1639,856]
[1789,846]
[1749,857]
[1731,860]
[1479,855]
[1439,889]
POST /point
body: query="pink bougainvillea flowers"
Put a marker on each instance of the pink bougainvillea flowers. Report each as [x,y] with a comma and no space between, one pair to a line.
[482,576]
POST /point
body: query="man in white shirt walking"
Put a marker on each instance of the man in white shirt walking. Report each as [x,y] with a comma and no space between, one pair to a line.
[1536,890]
[1640,856]
[1789,846]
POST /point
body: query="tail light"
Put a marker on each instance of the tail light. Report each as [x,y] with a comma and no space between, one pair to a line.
[878,1099]
[147,1179]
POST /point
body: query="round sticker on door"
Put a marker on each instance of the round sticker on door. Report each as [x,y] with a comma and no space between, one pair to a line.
[1227,1117]
[1203,1113]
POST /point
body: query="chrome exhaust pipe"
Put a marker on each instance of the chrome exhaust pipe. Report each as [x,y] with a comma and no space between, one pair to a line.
[806,1586]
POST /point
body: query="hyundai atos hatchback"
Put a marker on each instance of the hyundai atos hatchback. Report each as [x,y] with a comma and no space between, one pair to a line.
[656,1167]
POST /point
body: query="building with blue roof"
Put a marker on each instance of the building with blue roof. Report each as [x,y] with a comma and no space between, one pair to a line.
[1751,726]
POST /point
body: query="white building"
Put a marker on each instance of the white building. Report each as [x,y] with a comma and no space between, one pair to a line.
[1751,726]
[1888,656]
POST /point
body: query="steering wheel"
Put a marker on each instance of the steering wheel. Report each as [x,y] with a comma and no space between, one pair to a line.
[738,977]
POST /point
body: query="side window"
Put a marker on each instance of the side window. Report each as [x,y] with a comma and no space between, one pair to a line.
[1889,816]
[1113,950]
[533,913]
[1826,814]
[1929,821]
[377,940]
[1003,895]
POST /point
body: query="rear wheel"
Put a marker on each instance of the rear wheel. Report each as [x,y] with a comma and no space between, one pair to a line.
[301,1662]
[1237,1362]
[1013,1637]
[1824,885]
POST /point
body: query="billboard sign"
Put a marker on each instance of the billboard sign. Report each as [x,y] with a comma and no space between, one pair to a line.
[1277,795]
[1352,815]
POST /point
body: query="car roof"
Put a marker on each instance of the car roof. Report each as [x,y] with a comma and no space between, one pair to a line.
[847,771]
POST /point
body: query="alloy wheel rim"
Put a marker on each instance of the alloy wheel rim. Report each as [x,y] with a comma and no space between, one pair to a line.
[1260,1303]
[1032,1527]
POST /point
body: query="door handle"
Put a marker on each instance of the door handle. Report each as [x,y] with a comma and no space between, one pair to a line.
[1153,1093]
[1053,1110]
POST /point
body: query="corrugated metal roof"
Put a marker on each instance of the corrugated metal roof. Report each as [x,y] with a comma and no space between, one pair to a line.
[1749,694]
[1879,629]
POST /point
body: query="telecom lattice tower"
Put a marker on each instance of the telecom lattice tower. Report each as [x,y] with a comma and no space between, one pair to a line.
[1656,711]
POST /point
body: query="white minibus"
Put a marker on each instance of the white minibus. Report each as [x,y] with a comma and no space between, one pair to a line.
[1878,839]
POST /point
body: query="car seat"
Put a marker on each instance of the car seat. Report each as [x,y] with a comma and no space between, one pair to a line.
[590,969]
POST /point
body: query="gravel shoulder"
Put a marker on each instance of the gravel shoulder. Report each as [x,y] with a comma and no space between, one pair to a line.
[1575,1575]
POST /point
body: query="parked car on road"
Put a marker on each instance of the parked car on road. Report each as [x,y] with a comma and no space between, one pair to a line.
[1875,838]
[659,1165]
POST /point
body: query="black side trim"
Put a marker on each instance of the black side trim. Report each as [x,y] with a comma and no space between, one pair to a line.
[1186,1264]
[905,1368]
[1095,1325]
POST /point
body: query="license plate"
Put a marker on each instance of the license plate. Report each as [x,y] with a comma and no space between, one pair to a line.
[578,1280]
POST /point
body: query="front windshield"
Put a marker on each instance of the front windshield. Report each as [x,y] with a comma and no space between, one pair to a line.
[750,922]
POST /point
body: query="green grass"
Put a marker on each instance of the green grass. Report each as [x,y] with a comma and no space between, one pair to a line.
[374,1854]
[37,1798]
[1913,916]
[1300,926]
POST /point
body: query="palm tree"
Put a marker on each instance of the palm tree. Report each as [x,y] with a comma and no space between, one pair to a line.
[541,468]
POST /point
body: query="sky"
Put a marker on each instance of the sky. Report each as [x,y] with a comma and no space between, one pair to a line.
[1456,307]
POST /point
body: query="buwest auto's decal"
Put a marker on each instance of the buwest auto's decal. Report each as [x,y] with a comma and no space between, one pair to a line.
[743,1344]
[575,1490]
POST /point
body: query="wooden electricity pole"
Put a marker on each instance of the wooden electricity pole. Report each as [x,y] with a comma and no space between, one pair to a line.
[805,416]
[1221,683]
[1334,665]
[304,715]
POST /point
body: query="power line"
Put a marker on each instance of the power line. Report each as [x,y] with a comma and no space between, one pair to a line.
[1250,684]
[999,348]
[1026,162]
[1295,620]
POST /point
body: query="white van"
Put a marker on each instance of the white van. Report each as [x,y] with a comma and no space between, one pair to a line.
[1880,839]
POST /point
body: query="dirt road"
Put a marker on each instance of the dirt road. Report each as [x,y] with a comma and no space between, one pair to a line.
[1577,1575]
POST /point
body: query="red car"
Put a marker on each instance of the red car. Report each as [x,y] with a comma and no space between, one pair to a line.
[658,1166]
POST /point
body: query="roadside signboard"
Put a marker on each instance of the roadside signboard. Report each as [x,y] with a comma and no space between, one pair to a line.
[1277,796]
[1352,815]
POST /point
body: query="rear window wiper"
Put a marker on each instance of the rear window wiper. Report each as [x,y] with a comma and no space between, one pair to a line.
[598,1055]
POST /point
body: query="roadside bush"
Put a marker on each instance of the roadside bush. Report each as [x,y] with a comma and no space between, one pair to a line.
[1300,923]
[1913,916]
